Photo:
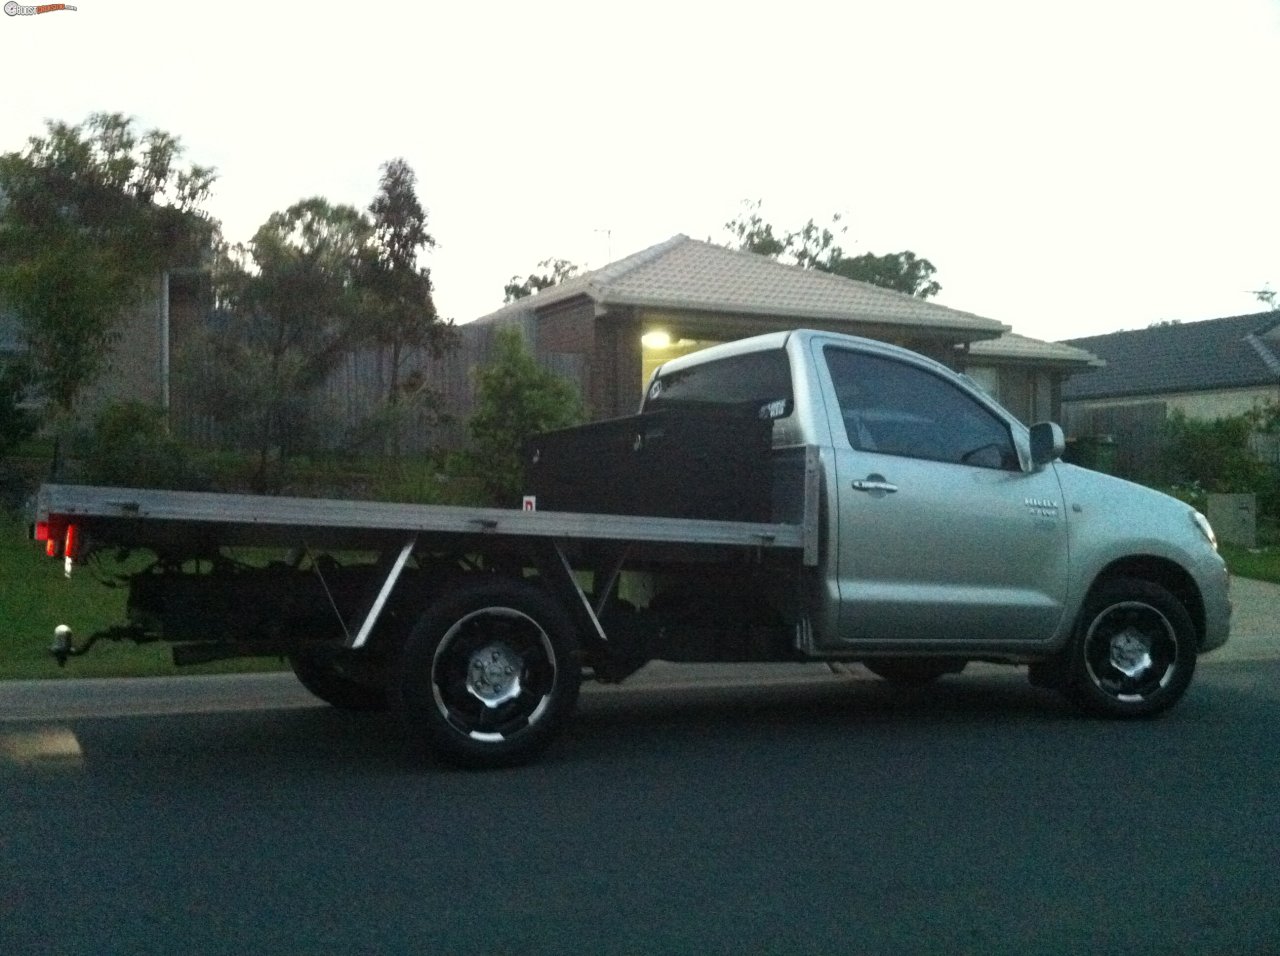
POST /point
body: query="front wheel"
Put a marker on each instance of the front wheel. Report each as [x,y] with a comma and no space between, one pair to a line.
[490,673]
[1134,650]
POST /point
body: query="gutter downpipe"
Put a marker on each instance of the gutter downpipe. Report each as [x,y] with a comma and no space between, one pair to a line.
[164,342]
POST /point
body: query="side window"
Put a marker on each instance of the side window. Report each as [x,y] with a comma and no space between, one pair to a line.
[895,408]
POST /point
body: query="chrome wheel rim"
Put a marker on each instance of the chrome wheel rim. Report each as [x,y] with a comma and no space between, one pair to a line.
[493,674]
[1131,651]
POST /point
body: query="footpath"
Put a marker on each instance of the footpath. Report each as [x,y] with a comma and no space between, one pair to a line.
[1255,623]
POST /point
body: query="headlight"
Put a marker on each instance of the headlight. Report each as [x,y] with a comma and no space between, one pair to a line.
[1205,528]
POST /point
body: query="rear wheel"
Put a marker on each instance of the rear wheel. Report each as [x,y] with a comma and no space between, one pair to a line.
[325,676]
[1134,650]
[490,673]
[912,671]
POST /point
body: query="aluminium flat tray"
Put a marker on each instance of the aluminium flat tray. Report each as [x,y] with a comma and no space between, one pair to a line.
[142,517]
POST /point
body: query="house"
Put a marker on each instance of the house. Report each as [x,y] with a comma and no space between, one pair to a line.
[138,366]
[611,327]
[608,329]
[1207,370]
[1025,375]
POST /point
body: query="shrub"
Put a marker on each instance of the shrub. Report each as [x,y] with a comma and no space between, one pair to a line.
[1215,456]
[129,445]
[516,398]
[17,424]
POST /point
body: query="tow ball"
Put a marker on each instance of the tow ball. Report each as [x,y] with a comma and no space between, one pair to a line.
[64,645]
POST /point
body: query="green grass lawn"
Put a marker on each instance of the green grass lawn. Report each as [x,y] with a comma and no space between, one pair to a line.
[36,596]
[1260,563]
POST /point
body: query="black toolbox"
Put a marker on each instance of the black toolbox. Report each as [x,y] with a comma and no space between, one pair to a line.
[711,463]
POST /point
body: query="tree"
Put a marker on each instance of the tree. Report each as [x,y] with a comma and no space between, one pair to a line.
[285,310]
[306,287]
[403,315]
[901,271]
[554,271]
[89,213]
[816,247]
[516,398]
[752,234]
[400,315]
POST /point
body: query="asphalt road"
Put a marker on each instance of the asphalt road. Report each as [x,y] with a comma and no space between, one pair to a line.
[716,811]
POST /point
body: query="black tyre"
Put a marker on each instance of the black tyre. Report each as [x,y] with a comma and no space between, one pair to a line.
[912,671]
[1134,650]
[490,673]
[325,676]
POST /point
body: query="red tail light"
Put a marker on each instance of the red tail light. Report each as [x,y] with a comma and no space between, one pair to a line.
[61,538]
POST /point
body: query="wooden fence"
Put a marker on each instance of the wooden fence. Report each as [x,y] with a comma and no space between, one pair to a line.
[1132,436]
[354,395]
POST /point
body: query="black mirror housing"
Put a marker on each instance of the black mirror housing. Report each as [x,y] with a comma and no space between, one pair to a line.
[1047,443]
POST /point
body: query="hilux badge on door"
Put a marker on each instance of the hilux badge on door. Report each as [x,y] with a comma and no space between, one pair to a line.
[1042,507]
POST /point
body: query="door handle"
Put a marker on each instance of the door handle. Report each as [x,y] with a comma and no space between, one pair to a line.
[874,483]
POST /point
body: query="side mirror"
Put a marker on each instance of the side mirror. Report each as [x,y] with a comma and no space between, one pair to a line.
[1047,443]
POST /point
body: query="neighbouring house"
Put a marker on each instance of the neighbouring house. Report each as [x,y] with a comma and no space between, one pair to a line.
[611,327]
[1209,369]
[1025,375]
[137,369]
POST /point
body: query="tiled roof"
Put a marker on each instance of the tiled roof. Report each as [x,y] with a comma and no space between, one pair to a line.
[1237,352]
[1019,347]
[688,275]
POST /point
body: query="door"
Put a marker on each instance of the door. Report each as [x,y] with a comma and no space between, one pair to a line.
[943,538]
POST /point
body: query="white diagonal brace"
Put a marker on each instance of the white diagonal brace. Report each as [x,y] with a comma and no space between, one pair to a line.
[380,601]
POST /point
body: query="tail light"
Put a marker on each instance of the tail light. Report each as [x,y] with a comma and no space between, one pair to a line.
[61,538]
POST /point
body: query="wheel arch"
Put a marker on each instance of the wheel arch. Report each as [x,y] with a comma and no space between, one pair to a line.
[1168,574]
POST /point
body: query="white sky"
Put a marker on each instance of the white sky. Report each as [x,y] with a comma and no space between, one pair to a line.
[1070,168]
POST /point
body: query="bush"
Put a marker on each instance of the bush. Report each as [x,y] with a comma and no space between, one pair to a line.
[17,424]
[1215,456]
[516,399]
[129,445]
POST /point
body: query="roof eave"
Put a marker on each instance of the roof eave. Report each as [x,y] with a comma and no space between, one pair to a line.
[979,329]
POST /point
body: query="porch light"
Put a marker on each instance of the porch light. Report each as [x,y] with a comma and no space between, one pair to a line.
[656,339]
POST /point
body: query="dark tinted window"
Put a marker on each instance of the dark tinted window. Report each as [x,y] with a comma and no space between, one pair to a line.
[758,383]
[895,408]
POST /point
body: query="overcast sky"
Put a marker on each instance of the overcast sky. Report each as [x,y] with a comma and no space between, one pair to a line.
[1070,168]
